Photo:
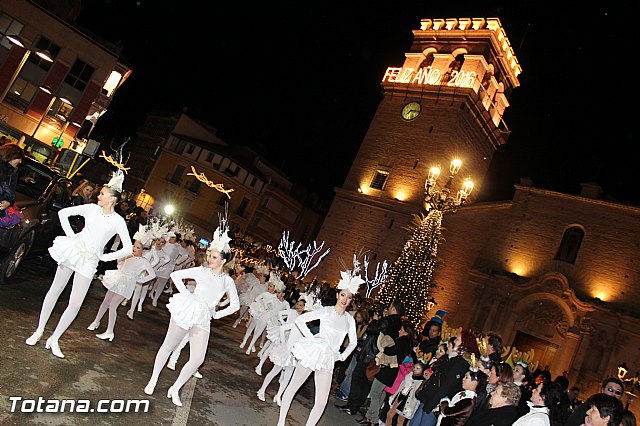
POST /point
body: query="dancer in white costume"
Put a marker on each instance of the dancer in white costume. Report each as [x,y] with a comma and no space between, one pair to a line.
[164,272]
[255,282]
[157,258]
[78,255]
[279,352]
[191,313]
[274,319]
[261,309]
[318,353]
[120,283]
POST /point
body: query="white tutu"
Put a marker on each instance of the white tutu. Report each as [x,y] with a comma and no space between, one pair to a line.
[314,353]
[119,282]
[281,356]
[74,254]
[188,310]
[273,332]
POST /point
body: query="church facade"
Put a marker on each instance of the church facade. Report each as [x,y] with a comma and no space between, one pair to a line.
[551,272]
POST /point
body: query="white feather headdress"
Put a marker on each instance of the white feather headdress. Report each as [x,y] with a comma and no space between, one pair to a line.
[116,181]
[221,238]
[143,234]
[277,282]
[351,280]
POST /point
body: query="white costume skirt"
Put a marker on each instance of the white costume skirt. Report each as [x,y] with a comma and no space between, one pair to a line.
[314,353]
[188,310]
[119,282]
[281,355]
[74,254]
[245,298]
[273,332]
[256,310]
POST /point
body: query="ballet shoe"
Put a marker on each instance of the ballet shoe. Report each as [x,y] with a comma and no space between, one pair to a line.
[175,397]
[106,336]
[139,308]
[234,325]
[197,375]
[55,349]
[248,352]
[260,396]
[277,400]
[154,303]
[242,345]
[171,365]
[259,371]
[94,326]
[150,388]
[253,349]
[130,315]
[34,338]
[124,302]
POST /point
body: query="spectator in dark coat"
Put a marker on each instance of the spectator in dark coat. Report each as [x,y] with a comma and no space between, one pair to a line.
[611,386]
[431,337]
[502,410]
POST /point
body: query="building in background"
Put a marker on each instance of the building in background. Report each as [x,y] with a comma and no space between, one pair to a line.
[551,272]
[80,83]
[179,161]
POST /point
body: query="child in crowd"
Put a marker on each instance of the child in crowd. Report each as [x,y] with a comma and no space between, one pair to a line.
[404,402]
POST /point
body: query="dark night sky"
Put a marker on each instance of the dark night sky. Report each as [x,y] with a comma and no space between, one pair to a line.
[299,82]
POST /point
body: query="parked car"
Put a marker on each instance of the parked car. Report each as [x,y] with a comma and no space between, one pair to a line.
[40,192]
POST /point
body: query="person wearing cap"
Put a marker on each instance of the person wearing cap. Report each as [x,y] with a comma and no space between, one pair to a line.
[431,337]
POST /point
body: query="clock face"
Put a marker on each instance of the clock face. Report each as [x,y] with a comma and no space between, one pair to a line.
[410,110]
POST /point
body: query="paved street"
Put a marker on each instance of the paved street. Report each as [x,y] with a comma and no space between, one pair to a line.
[94,369]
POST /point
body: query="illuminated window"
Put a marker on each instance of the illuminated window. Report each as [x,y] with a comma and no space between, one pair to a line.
[379,179]
[570,245]
[79,75]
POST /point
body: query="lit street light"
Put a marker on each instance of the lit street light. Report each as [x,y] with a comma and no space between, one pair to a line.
[169,209]
[20,42]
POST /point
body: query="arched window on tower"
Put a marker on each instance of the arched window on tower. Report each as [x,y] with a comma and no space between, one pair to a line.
[454,67]
[427,61]
[570,245]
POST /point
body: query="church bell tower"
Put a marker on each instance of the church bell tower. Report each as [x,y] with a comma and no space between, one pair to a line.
[446,101]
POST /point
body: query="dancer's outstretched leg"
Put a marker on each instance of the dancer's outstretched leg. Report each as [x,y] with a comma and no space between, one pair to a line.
[158,287]
[113,312]
[78,293]
[60,281]
[285,378]
[171,340]
[173,359]
[198,342]
[143,295]
[268,378]
[106,302]
[257,332]
[247,333]
[299,377]
[323,379]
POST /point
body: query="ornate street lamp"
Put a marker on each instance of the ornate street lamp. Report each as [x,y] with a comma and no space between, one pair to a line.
[443,199]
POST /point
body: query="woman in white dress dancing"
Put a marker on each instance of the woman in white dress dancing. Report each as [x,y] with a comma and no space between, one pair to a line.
[78,255]
[318,353]
[120,284]
[191,313]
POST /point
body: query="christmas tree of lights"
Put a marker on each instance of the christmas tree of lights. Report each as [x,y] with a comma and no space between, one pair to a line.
[410,276]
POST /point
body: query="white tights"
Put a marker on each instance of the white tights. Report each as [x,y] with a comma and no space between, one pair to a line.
[111,301]
[241,314]
[322,380]
[176,352]
[285,377]
[198,342]
[139,293]
[158,287]
[79,290]
[257,327]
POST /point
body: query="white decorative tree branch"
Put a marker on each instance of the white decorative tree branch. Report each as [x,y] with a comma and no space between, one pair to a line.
[288,251]
[377,279]
[306,256]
